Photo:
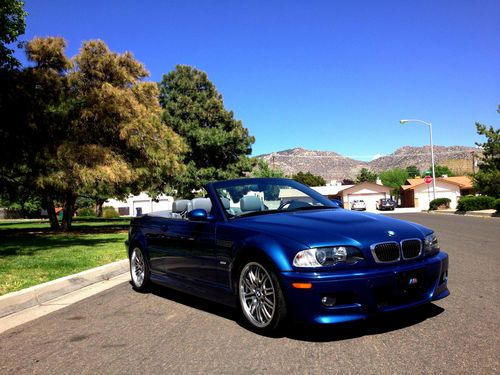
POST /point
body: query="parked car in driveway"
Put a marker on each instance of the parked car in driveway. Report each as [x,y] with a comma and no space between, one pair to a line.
[274,258]
[358,205]
[385,204]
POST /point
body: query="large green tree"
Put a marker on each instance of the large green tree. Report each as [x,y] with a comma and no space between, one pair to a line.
[218,144]
[413,171]
[309,179]
[91,124]
[394,178]
[263,169]
[12,25]
[487,179]
[439,171]
[365,175]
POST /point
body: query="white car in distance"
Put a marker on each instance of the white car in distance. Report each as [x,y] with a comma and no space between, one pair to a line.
[358,205]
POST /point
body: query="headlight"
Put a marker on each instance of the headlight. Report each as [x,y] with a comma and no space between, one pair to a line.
[431,244]
[327,256]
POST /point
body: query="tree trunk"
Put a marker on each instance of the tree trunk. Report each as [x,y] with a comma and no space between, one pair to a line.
[51,211]
[98,207]
[69,211]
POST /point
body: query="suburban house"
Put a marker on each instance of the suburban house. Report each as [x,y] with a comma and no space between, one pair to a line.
[140,204]
[416,193]
[367,191]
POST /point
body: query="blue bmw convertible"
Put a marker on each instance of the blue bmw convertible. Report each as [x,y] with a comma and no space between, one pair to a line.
[278,250]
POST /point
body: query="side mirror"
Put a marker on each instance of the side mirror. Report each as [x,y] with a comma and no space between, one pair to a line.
[200,214]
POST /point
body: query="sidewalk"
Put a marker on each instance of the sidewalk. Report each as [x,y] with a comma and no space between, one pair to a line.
[26,315]
[40,294]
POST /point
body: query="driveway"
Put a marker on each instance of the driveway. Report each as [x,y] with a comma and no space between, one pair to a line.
[121,331]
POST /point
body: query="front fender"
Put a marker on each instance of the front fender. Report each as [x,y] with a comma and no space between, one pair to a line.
[276,251]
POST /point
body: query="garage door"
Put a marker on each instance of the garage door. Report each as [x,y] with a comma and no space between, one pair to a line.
[370,199]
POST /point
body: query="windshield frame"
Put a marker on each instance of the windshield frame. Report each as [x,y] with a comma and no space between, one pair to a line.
[214,186]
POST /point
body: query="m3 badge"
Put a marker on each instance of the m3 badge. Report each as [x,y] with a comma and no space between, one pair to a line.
[412,281]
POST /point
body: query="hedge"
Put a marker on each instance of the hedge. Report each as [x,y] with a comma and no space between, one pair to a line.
[86,212]
[439,202]
[497,205]
[109,212]
[481,202]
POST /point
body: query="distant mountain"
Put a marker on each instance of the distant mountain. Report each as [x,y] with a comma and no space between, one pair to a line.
[333,166]
[328,164]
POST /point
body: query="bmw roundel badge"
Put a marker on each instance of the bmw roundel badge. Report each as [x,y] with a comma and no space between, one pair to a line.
[391,233]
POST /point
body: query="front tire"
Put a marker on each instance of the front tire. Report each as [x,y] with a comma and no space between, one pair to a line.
[261,300]
[139,270]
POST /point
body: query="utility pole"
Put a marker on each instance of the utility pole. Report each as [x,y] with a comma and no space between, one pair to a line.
[473,162]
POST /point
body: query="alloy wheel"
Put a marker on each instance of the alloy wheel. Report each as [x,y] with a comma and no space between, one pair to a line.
[257,295]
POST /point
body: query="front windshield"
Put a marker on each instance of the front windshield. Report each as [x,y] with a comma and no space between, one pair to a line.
[266,196]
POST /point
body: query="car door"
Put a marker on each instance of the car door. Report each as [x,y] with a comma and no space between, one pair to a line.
[188,251]
[154,232]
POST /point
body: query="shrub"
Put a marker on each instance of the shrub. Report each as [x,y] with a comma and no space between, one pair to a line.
[481,202]
[439,203]
[109,212]
[86,211]
[497,205]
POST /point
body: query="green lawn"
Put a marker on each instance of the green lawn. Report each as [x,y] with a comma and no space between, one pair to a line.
[31,259]
[78,224]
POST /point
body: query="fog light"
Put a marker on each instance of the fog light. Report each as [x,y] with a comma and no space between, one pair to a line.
[328,301]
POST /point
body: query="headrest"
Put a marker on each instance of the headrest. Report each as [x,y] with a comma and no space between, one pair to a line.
[180,206]
[250,203]
[225,203]
[201,203]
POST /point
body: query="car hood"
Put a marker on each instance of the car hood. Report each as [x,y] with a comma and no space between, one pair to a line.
[330,227]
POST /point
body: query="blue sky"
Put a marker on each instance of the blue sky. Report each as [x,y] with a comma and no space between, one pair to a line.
[323,75]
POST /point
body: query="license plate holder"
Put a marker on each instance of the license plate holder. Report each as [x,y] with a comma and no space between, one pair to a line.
[411,282]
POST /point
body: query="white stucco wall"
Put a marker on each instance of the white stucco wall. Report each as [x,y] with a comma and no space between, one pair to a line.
[144,202]
[423,194]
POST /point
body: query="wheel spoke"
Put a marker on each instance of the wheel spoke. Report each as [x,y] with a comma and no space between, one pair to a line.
[266,313]
[269,303]
[258,314]
[257,276]
[253,306]
[248,283]
[269,291]
[249,295]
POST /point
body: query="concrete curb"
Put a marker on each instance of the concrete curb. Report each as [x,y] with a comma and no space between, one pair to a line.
[39,294]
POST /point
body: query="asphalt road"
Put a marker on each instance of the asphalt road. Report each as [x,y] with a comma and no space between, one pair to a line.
[121,331]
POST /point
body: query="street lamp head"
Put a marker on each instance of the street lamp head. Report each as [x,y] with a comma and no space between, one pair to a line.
[403,121]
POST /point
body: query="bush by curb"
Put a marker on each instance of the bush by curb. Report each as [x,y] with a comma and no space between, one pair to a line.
[439,203]
[471,203]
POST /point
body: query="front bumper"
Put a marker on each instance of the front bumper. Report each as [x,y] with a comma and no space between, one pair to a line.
[363,292]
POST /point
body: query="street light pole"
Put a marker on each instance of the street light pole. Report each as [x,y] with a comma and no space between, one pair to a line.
[432,152]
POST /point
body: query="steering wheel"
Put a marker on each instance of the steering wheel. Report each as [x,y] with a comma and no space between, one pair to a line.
[292,205]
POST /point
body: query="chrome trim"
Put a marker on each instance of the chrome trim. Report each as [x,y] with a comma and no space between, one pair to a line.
[411,239]
[372,248]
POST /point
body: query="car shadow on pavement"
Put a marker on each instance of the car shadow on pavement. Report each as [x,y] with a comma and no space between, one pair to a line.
[312,333]
[199,303]
[372,326]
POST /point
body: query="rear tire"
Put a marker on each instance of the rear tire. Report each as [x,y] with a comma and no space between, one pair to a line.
[139,270]
[260,297]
